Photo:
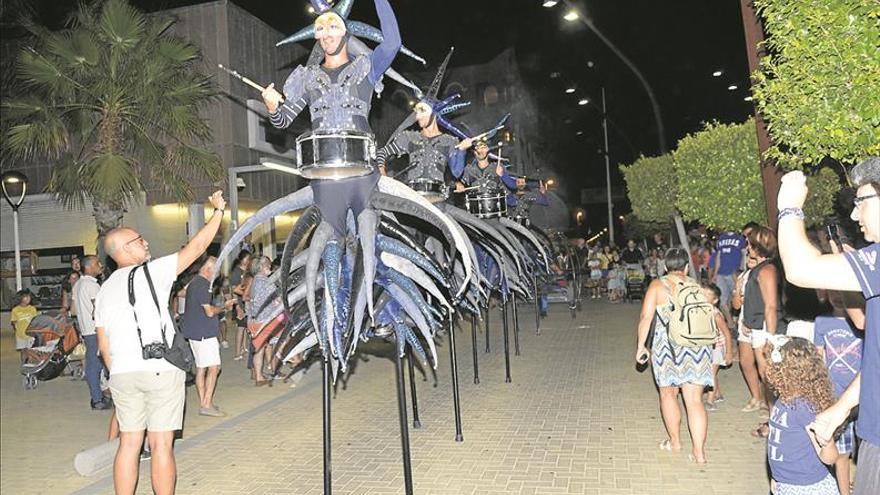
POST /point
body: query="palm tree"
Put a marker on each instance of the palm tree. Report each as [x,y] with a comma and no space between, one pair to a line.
[114,101]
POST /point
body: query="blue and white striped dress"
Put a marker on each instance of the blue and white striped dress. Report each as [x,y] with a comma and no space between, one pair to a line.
[674,365]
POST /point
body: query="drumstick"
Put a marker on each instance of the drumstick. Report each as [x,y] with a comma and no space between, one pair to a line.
[235,74]
[467,189]
[490,131]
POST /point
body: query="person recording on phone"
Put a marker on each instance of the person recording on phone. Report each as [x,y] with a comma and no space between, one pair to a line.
[852,270]
[135,329]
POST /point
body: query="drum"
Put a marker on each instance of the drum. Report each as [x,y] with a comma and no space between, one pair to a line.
[489,204]
[335,155]
[434,191]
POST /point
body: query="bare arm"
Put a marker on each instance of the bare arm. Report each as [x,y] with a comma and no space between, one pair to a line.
[721,323]
[198,244]
[649,307]
[768,283]
[828,420]
[104,347]
[804,265]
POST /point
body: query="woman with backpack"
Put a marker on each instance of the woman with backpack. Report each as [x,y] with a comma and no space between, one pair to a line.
[682,321]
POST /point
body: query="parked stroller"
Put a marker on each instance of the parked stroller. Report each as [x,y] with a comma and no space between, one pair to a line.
[55,338]
[635,282]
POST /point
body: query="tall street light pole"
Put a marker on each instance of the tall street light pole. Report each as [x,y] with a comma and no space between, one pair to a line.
[20,180]
[607,170]
[658,120]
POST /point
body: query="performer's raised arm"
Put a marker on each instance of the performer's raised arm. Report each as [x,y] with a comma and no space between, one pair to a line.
[384,54]
[541,196]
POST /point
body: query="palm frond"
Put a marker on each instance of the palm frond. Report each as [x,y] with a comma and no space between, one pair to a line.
[66,182]
[121,24]
[111,176]
[177,50]
[39,137]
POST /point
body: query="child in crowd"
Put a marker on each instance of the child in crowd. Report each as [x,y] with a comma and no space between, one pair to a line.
[842,348]
[723,353]
[797,373]
[595,275]
[614,286]
[21,316]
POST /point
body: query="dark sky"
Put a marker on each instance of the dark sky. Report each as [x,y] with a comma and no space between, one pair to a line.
[676,44]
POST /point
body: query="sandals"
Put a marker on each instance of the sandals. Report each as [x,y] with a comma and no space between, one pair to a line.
[667,446]
[762,431]
[751,406]
[694,460]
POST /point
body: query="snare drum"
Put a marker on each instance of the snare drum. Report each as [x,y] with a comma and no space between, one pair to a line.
[335,155]
[486,204]
[434,191]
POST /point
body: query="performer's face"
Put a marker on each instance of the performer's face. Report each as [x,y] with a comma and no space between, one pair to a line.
[329,31]
[481,151]
[521,184]
[424,115]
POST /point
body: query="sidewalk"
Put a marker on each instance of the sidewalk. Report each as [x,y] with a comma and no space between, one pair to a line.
[578,418]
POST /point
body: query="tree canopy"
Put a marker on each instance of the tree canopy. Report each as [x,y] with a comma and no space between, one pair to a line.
[818,88]
[114,102]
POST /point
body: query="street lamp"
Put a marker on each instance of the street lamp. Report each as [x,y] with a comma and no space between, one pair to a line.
[550,3]
[572,15]
[732,87]
[717,73]
[15,179]
[569,91]
[583,101]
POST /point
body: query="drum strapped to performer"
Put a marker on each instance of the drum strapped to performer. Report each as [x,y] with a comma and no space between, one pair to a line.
[485,204]
[435,191]
[335,155]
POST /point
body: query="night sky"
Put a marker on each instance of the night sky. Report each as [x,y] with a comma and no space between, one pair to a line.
[677,45]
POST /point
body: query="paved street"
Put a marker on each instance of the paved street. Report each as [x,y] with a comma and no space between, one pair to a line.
[578,418]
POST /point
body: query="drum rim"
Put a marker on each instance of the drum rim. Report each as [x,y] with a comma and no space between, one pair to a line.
[336,134]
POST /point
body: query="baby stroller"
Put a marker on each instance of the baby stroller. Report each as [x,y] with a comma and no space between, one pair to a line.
[635,282]
[55,338]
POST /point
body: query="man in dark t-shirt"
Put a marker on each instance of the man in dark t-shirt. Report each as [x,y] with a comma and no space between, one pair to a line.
[632,255]
[201,324]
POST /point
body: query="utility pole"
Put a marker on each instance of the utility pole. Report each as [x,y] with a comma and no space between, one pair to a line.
[607,169]
[771,175]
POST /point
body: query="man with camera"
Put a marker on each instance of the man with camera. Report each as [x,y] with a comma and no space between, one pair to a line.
[136,334]
[857,270]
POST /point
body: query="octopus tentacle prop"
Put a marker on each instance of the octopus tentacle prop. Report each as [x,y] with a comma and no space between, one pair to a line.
[294,201]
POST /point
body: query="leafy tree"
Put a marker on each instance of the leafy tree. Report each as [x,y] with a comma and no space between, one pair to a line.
[819,86]
[824,186]
[652,187]
[636,228]
[719,176]
[113,101]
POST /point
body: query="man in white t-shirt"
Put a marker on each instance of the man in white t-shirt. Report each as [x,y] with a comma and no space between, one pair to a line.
[149,393]
[84,293]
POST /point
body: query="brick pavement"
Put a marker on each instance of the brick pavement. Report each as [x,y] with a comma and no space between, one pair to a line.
[578,418]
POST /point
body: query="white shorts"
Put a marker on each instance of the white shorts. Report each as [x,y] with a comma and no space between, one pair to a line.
[755,337]
[206,352]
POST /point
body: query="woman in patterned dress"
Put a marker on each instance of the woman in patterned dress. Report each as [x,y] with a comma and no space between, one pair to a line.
[676,369]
